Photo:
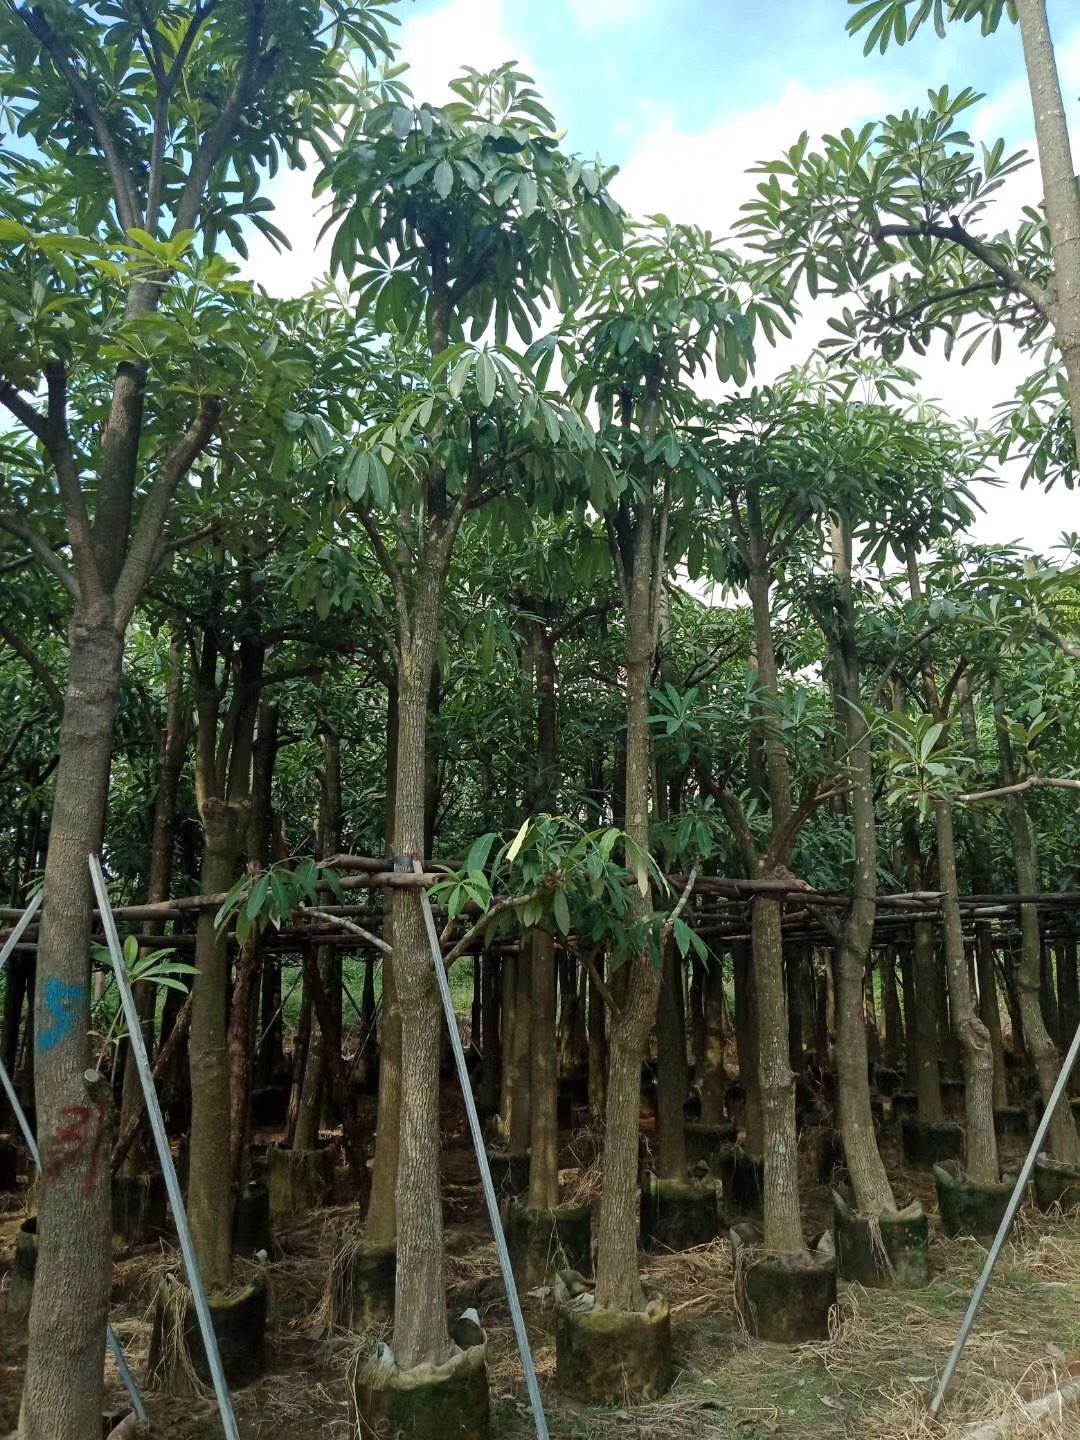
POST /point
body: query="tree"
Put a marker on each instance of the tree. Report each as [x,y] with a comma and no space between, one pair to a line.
[903,227]
[97,231]
[450,218]
[671,305]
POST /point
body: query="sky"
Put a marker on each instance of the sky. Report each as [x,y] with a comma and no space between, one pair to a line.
[686,95]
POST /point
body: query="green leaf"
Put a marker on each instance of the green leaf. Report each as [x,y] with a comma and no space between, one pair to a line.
[518,841]
[485,379]
[526,193]
[562,912]
[443,179]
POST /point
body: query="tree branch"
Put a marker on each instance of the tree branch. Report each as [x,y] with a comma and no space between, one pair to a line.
[390,567]
[1033,782]
[254,69]
[955,234]
[784,838]
[942,298]
[669,923]
[516,903]
[43,551]
[24,412]
[343,923]
[36,664]
[120,177]
[140,560]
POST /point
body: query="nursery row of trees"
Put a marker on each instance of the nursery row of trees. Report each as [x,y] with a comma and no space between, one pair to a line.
[390,567]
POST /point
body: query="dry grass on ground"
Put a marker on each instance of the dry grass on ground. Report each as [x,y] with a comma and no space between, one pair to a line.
[871,1379]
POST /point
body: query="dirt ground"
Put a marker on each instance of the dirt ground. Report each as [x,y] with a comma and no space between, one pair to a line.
[871,1379]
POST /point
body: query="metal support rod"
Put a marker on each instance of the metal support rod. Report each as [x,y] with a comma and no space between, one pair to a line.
[520,1333]
[20,926]
[35,1155]
[1006,1224]
[161,1140]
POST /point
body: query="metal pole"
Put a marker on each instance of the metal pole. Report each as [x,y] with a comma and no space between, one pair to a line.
[1006,1224]
[20,927]
[31,1144]
[524,1351]
[157,1124]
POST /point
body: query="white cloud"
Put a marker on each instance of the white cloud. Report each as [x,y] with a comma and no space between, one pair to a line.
[700,176]
[600,14]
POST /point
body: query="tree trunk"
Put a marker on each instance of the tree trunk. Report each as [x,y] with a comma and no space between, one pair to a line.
[209,1197]
[420,1328]
[544,1165]
[618,1285]
[746,1042]
[893,1046]
[923,1065]
[491,1059]
[989,1008]
[982,1162]
[672,1078]
[783,1226]
[907,976]
[873,1193]
[711,1072]
[171,763]
[64,1365]
[520,1118]
[508,1017]
[598,1050]
[1064,1142]
[1059,190]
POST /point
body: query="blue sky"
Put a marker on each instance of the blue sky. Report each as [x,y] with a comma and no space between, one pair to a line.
[685,95]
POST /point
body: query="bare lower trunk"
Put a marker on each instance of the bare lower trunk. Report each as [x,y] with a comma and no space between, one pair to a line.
[420,1329]
[746,1039]
[381,1225]
[618,1285]
[209,1197]
[783,1226]
[893,1045]
[923,1063]
[989,1009]
[172,749]
[598,1050]
[672,1081]
[63,1386]
[248,964]
[1064,1142]
[491,1061]
[978,1060]
[520,1062]
[544,1165]
[712,1074]
[508,1017]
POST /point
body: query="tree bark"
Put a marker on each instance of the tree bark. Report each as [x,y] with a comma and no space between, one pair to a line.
[618,1284]
[712,1074]
[544,1163]
[62,1391]
[783,1225]
[982,1161]
[1059,189]
[1064,1141]
[420,1328]
[672,1075]
[171,763]
[209,1197]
